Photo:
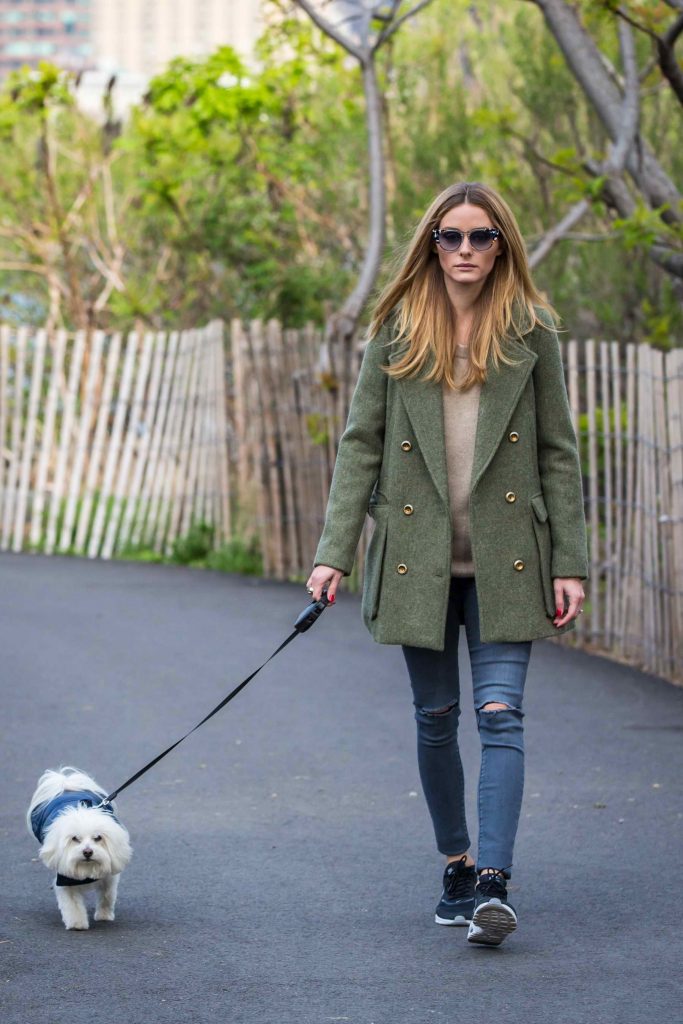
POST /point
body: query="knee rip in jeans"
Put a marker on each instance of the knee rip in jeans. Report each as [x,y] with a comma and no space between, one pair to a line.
[491,707]
[438,712]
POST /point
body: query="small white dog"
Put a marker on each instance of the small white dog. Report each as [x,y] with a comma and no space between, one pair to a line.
[83,843]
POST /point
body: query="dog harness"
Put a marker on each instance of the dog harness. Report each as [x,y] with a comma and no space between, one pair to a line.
[44,815]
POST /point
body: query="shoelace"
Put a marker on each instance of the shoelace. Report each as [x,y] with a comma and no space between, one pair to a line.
[492,883]
[457,883]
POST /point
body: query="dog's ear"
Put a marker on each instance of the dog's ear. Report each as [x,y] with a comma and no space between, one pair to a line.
[52,850]
[116,840]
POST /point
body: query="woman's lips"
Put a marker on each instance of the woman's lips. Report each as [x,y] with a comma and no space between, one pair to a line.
[465,266]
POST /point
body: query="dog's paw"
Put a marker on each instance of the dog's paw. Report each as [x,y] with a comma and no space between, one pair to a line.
[76,924]
[104,914]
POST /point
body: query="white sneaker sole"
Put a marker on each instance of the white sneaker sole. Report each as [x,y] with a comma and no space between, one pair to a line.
[459,921]
[491,923]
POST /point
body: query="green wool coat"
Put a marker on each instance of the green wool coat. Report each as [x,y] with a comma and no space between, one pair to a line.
[527,521]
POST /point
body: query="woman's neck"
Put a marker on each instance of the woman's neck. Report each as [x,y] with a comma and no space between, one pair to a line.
[462,332]
[463,301]
[463,297]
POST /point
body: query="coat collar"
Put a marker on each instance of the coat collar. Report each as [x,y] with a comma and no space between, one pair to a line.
[499,396]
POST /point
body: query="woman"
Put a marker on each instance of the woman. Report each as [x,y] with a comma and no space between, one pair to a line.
[460,445]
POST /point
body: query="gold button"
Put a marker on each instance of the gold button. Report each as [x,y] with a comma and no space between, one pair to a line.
[513,436]
[408,510]
[401,569]
[519,565]
[406,446]
[511,496]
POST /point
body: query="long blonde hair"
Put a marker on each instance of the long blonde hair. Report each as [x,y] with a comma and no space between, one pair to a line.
[425,319]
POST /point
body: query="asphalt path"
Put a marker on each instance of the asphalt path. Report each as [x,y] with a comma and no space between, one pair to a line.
[284,867]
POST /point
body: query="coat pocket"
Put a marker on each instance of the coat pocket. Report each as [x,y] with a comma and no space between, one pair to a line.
[544,545]
[374,562]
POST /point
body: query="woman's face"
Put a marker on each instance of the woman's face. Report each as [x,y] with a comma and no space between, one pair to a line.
[467,265]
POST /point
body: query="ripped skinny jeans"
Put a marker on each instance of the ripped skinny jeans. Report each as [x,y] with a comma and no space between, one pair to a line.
[498,676]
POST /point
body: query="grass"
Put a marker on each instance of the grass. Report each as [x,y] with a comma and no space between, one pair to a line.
[196,549]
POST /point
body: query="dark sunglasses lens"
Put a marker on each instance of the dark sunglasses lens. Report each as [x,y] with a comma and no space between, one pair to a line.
[482,239]
[450,239]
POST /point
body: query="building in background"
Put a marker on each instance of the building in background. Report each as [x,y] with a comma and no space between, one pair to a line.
[140,37]
[131,39]
[135,39]
[59,31]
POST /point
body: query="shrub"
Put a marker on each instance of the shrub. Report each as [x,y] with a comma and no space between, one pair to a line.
[237,556]
[195,546]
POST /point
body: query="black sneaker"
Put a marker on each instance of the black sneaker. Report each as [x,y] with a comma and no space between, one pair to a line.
[457,899]
[493,917]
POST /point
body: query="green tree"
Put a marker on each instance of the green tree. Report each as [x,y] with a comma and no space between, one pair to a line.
[60,248]
[237,190]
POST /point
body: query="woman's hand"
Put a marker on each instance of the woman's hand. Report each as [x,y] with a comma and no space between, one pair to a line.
[321,575]
[573,589]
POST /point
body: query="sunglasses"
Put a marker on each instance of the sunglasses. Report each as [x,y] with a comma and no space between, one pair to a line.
[450,239]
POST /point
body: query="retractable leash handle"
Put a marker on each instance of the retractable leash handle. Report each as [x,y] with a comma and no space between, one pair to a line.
[312,613]
[308,616]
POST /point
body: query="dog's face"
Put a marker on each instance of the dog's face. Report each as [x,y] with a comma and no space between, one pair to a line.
[85,842]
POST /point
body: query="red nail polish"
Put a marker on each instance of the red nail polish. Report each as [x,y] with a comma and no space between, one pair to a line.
[332,599]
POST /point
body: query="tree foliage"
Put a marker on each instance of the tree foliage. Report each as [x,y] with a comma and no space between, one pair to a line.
[235,189]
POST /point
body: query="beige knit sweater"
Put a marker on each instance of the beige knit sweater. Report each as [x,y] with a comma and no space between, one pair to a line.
[460,411]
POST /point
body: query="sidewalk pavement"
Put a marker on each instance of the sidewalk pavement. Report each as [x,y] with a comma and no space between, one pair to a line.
[284,868]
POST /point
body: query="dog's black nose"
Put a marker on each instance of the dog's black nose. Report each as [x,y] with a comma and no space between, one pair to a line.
[87,854]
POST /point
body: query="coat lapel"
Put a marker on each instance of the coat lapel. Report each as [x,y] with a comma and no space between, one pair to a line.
[499,396]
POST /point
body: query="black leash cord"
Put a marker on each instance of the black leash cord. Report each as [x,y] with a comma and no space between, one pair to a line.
[308,616]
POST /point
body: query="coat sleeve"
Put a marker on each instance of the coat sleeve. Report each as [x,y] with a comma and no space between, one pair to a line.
[358,462]
[558,458]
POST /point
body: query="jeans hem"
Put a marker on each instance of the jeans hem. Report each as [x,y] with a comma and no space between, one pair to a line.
[503,864]
[447,848]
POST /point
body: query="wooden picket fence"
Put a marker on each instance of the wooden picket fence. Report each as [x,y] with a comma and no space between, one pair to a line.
[112,444]
[627,407]
[288,404]
[626,403]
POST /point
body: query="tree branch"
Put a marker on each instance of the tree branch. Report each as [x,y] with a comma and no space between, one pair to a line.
[108,273]
[539,157]
[630,107]
[557,232]
[625,16]
[667,58]
[32,268]
[614,164]
[50,174]
[673,32]
[670,259]
[109,205]
[84,194]
[344,322]
[586,62]
[586,236]
[389,31]
[614,190]
[329,29]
